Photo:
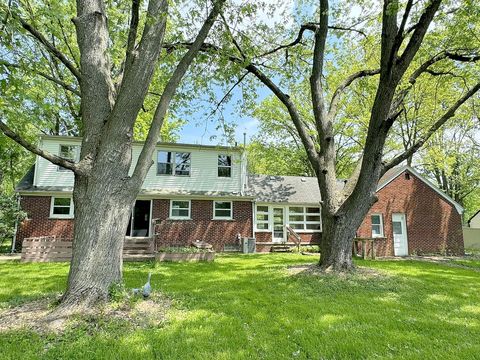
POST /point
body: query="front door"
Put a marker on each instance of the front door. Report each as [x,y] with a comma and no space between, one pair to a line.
[278,225]
[400,241]
[139,225]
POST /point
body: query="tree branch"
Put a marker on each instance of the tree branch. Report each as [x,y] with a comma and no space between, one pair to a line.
[50,47]
[57,160]
[344,28]
[237,45]
[417,37]
[145,158]
[132,33]
[298,39]
[442,120]
[341,88]
[228,93]
[44,75]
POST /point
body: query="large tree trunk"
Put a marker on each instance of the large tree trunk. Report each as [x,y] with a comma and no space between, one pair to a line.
[100,226]
[103,203]
[338,233]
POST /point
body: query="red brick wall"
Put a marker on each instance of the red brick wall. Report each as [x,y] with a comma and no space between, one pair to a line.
[433,224]
[201,226]
[38,222]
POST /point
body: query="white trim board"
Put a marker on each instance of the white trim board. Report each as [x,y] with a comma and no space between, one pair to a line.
[413,172]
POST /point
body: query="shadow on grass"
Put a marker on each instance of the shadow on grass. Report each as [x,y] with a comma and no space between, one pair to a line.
[243,307]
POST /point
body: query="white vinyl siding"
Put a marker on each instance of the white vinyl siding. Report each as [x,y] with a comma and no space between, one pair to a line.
[222,210]
[203,170]
[180,209]
[203,173]
[377,225]
[61,208]
[46,173]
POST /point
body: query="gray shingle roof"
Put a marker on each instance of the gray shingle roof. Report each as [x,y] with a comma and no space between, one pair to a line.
[284,189]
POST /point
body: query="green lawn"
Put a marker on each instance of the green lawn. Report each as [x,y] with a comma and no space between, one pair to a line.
[250,307]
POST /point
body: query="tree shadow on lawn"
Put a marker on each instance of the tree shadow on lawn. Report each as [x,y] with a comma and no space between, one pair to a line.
[251,307]
[262,310]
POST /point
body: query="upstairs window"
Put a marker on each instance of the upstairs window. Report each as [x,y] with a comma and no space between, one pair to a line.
[164,163]
[377,225]
[173,163]
[61,207]
[222,210]
[69,152]
[182,164]
[224,166]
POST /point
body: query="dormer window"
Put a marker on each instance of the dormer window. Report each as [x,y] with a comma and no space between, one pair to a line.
[224,166]
[69,152]
[173,163]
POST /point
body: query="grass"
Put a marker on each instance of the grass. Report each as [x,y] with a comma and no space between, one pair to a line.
[251,307]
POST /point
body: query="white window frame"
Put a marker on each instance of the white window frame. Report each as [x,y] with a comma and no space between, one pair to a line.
[223,217]
[174,163]
[305,222]
[181,217]
[70,214]
[268,213]
[226,167]
[382,232]
[287,217]
[76,155]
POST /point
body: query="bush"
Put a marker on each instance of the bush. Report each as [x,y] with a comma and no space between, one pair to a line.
[9,213]
[307,248]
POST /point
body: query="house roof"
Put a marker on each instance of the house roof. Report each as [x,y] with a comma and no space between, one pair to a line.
[26,182]
[285,189]
[471,218]
[160,143]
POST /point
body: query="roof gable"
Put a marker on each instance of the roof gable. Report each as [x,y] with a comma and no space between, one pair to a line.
[392,174]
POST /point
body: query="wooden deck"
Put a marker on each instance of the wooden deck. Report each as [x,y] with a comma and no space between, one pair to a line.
[52,249]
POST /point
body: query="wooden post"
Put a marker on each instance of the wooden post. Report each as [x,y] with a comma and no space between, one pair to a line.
[364,250]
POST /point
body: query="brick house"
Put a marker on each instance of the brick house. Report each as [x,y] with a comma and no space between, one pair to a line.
[196,192]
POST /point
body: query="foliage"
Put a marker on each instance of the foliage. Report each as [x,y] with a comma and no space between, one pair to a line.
[306,249]
[251,307]
[9,215]
[427,99]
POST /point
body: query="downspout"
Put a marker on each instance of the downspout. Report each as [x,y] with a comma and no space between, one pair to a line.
[14,239]
[253,217]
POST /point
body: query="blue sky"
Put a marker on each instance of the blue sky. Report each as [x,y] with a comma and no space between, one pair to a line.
[197,131]
[200,130]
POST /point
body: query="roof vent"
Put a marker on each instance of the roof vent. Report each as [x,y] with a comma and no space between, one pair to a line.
[303,179]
